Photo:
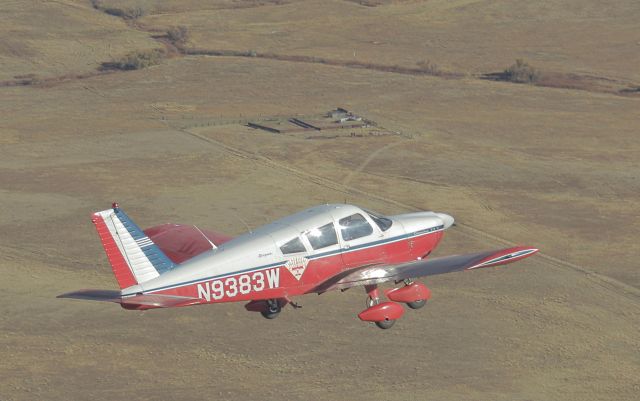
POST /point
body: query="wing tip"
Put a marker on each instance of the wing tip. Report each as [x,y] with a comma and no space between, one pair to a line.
[505,256]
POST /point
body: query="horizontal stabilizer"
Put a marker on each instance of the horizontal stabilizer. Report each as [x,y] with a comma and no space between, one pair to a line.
[182,242]
[150,301]
[140,302]
[93,295]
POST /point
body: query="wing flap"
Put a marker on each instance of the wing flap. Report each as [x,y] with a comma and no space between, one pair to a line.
[370,275]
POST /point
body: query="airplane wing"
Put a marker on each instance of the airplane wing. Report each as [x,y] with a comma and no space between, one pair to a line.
[181,242]
[144,301]
[369,275]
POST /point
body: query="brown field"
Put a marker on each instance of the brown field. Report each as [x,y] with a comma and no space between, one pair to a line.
[514,163]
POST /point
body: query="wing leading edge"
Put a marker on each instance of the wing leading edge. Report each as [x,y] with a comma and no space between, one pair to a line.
[370,275]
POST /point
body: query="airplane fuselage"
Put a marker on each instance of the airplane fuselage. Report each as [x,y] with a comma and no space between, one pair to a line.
[293,255]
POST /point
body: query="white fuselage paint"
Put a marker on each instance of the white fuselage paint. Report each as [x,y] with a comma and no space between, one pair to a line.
[259,251]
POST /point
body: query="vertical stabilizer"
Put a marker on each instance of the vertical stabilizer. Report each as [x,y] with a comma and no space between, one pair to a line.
[133,256]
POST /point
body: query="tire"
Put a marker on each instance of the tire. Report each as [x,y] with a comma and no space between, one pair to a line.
[270,315]
[385,324]
[417,304]
[273,309]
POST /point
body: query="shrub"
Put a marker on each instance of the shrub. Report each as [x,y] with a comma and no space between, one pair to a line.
[631,89]
[521,72]
[178,35]
[136,60]
[370,3]
[125,13]
[132,13]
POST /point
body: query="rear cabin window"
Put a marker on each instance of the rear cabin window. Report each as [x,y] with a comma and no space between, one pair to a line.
[322,237]
[354,226]
[293,246]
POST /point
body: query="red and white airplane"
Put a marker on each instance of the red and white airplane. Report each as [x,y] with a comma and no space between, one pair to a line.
[323,248]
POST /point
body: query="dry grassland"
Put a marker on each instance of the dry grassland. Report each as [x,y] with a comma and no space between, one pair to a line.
[467,37]
[555,168]
[60,39]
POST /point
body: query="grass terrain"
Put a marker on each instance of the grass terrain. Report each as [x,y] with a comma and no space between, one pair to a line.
[61,39]
[549,167]
[469,37]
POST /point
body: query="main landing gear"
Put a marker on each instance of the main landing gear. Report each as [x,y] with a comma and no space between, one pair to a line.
[415,295]
[270,308]
[385,314]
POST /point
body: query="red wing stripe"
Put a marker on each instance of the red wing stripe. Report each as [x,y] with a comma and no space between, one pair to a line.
[501,259]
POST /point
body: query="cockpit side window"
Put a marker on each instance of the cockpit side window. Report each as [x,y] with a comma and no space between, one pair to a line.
[354,226]
[381,221]
[322,237]
[293,246]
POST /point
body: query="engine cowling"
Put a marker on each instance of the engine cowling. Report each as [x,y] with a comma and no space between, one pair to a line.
[409,293]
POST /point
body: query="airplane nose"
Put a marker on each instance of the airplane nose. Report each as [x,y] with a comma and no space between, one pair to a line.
[446,219]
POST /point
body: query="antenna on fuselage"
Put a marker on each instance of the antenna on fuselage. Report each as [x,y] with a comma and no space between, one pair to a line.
[213,246]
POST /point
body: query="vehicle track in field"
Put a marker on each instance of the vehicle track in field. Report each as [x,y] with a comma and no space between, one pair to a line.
[368,160]
[610,284]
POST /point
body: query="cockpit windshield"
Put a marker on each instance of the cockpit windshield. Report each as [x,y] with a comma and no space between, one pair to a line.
[383,222]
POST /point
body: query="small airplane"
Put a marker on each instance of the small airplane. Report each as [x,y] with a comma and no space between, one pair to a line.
[324,248]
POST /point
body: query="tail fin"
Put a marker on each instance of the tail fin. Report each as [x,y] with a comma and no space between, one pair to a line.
[133,256]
